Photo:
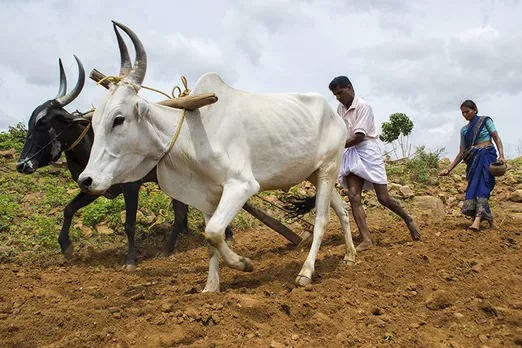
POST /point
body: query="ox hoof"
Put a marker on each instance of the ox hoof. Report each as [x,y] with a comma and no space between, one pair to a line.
[68,252]
[129,267]
[303,280]
[349,261]
[210,289]
[247,264]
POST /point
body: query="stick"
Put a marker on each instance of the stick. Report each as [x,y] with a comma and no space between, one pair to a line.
[272,223]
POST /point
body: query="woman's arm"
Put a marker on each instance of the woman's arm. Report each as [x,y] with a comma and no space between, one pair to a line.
[500,147]
[455,162]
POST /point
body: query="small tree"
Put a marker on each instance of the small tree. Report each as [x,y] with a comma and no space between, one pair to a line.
[398,128]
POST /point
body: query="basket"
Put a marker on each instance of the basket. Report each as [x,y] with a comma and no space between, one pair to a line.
[497,169]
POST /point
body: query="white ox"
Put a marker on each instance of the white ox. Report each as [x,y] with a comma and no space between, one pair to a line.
[224,154]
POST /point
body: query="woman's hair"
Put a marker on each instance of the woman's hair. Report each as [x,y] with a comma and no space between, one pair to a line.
[469,104]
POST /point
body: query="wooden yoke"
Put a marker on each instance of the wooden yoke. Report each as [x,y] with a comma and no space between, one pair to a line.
[193,102]
[190,102]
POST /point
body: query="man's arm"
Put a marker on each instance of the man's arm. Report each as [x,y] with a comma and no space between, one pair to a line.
[359,137]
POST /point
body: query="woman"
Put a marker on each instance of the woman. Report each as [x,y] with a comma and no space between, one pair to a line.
[478,152]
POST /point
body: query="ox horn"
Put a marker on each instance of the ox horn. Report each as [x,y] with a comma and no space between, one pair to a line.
[66,99]
[63,81]
[137,73]
[126,64]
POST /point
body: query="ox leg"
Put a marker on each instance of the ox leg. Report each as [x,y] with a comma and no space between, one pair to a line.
[325,187]
[341,211]
[229,236]
[131,193]
[213,266]
[234,196]
[81,200]
[180,224]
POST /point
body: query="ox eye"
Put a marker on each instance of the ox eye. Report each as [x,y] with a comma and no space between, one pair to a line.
[118,120]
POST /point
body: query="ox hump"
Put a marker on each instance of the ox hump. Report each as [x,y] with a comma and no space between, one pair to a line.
[209,82]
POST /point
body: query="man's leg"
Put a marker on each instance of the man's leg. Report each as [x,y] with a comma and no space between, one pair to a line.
[384,198]
[355,185]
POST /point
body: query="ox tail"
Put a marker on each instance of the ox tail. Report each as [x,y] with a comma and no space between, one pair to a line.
[297,206]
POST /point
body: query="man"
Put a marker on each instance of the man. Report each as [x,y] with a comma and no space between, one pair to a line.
[362,165]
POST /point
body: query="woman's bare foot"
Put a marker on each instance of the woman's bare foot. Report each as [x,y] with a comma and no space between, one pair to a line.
[364,245]
[414,232]
[475,226]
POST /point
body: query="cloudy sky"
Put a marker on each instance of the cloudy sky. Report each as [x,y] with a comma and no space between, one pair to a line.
[422,58]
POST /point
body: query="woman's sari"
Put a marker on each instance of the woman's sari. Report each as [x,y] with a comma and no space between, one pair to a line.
[480,181]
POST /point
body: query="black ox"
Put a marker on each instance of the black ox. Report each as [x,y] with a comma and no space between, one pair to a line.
[51,131]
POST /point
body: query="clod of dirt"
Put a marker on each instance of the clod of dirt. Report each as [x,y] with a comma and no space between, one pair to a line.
[458,315]
[275,344]
[166,307]
[516,305]
[483,338]
[440,299]
[516,196]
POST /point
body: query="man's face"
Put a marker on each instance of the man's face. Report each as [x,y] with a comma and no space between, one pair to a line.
[344,95]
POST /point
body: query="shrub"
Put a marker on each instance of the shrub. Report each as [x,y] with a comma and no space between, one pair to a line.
[13,138]
[424,165]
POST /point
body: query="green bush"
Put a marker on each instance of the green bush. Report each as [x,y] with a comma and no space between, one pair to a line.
[424,165]
[13,138]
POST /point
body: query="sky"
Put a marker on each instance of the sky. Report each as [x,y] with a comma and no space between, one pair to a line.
[422,58]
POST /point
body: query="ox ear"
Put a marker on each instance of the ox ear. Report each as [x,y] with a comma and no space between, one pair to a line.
[142,108]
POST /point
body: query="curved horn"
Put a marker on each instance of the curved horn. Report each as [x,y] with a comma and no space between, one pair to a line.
[77,89]
[137,74]
[126,64]
[63,81]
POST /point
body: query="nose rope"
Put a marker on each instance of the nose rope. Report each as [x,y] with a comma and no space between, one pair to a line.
[48,144]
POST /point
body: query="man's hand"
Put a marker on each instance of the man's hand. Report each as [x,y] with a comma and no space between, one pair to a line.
[444,172]
[359,137]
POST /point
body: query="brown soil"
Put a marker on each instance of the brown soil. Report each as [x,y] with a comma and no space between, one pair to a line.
[455,288]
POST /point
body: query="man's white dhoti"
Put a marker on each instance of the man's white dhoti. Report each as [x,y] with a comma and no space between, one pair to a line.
[366,161]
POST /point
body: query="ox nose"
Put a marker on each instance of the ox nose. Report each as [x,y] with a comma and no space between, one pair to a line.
[24,168]
[85,184]
[20,167]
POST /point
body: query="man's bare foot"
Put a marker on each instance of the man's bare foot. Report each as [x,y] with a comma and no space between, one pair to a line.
[414,232]
[492,224]
[364,245]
